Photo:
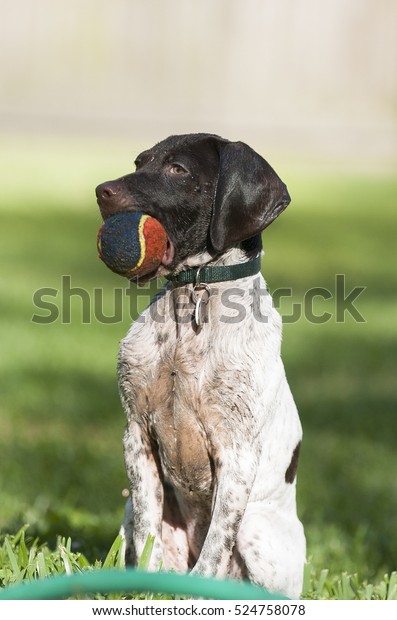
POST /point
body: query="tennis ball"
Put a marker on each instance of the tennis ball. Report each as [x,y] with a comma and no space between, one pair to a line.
[132,244]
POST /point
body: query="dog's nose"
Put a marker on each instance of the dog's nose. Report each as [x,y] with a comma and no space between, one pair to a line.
[110,197]
[106,192]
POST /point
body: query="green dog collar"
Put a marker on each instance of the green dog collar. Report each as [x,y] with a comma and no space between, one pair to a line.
[216,273]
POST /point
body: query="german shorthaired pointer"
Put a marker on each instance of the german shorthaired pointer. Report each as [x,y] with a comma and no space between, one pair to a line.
[213,435]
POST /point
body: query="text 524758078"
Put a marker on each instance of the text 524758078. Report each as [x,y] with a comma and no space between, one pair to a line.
[270,609]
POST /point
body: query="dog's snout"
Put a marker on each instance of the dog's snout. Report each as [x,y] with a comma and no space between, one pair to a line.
[111,198]
[107,191]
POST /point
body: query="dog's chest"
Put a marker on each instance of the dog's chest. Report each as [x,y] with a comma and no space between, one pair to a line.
[164,376]
[193,391]
[177,417]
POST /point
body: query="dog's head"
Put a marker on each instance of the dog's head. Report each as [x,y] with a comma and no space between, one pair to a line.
[208,193]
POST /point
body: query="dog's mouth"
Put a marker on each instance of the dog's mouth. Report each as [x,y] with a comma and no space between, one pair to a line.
[110,197]
[169,254]
[166,261]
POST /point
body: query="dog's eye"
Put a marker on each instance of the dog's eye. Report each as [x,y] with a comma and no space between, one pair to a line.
[177,169]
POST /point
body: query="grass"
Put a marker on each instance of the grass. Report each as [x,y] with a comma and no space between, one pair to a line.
[24,560]
[61,423]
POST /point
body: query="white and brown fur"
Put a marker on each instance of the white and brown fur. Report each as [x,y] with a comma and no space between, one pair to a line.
[213,435]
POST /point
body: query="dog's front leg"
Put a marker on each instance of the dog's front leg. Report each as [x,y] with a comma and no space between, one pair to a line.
[235,473]
[144,509]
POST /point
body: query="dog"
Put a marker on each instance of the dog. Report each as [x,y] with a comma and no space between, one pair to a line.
[213,435]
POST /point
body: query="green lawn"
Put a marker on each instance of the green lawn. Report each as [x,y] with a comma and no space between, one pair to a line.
[61,466]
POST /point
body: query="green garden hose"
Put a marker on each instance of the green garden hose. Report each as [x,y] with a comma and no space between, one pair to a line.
[130,580]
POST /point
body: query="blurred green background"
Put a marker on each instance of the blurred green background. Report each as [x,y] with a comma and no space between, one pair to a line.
[312,86]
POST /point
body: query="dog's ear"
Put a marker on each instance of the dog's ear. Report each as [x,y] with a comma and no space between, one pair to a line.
[249,196]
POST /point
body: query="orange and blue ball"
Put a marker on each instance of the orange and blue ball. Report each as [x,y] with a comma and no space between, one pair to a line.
[132,244]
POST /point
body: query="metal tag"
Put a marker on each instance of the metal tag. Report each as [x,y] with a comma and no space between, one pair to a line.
[200,309]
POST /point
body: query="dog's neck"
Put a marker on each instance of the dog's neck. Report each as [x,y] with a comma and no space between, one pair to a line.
[243,252]
[193,283]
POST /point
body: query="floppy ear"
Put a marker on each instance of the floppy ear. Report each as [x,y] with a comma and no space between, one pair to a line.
[249,196]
